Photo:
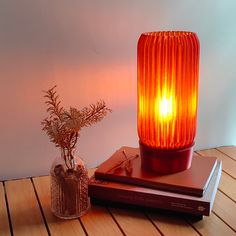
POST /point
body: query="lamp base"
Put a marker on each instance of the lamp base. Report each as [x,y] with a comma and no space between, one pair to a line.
[165,161]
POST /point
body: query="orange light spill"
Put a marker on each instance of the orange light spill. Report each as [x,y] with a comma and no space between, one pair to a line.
[168,64]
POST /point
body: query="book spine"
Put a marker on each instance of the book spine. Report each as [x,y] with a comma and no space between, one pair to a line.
[149,200]
[150,184]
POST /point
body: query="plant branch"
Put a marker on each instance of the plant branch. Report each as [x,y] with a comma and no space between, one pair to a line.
[63,126]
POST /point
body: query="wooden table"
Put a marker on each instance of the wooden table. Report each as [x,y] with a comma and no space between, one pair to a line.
[25,210]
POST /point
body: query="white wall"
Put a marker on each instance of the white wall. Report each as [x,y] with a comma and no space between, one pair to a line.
[88,48]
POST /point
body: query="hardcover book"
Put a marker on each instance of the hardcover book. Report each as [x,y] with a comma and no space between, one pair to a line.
[125,166]
[117,192]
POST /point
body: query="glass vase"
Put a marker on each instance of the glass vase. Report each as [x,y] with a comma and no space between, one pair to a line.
[69,187]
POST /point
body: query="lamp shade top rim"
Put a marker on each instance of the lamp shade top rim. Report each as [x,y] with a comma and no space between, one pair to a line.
[168,33]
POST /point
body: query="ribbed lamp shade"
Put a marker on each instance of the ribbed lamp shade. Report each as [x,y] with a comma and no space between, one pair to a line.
[168,68]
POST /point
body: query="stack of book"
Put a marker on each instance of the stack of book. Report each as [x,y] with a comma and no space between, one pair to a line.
[120,179]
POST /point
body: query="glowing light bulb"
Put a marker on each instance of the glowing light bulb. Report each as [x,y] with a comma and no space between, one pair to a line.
[165,107]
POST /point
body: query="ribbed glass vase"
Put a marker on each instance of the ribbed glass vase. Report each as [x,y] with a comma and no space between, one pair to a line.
[69,187]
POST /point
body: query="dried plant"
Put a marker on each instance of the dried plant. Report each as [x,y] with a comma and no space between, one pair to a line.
[63,126]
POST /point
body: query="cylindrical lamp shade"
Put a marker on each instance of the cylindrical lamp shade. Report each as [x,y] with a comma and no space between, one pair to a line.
[168,68]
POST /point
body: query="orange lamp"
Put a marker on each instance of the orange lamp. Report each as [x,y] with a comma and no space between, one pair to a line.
[168,69]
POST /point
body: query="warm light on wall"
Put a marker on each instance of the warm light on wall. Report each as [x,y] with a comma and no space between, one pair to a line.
[168,64]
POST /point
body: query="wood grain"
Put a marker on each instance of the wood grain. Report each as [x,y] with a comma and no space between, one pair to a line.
[172,225]
[24,210]
[225,208]
[134,222]
[228,164]
[4,225]
[98,222]
[55,225]
[228,179]
[212,225]
[228,186]
[229,150]
[91,172]
[27,219]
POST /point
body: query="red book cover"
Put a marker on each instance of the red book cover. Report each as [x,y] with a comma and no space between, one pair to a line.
[117,192]
[125,166]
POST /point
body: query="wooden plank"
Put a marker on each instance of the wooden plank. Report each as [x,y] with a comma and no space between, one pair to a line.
[55,225]
[172,225]
[229,150]
[98,222]
[227,182]
[24,210]
[4,224]
[91,172]
[228,165]
[228,186]
[225,208]
[212,226]
[134,222]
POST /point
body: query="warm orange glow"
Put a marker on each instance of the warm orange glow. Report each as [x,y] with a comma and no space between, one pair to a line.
[167,89]
[165,107]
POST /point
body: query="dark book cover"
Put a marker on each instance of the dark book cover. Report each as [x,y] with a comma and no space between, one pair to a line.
[117,192]
[125,166]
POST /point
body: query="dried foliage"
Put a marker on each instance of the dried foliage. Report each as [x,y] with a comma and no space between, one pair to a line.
[63,126]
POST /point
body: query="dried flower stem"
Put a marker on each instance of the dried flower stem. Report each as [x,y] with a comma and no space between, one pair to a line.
[63,126]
